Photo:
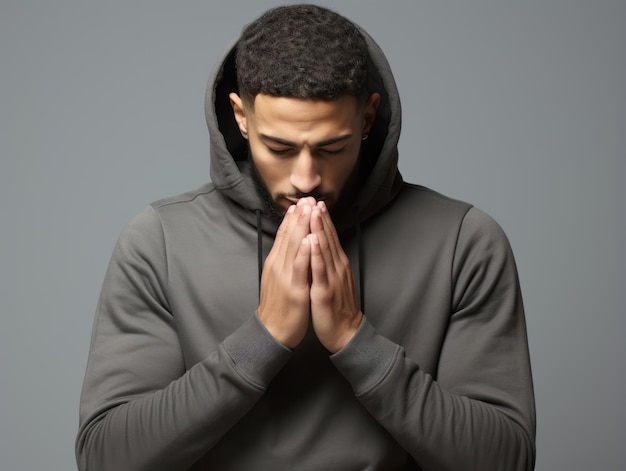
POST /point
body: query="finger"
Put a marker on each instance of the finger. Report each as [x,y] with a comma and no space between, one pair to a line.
[309,200]
[316,221]
[290,222]
[284,224]
[318,264]
[317,228]
[301,228]
[282,233]
[302,264]
[332,239]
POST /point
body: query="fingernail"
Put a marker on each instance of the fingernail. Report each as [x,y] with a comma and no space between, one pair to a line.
[306,209]
[291,209]
[301,201]
[322,205]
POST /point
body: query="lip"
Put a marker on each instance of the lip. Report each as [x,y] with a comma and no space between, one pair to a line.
[294,200]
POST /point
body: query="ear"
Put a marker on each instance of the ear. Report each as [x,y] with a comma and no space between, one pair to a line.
[240,113]
[369,112]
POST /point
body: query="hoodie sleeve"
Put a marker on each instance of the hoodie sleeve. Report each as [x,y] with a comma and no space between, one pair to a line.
[140,407]
[478,413]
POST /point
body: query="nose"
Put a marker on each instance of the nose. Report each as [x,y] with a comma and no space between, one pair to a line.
[305,175]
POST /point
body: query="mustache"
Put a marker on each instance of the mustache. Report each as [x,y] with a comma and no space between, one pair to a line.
[319,196]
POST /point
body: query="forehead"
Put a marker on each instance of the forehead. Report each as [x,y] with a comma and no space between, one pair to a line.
[299,114]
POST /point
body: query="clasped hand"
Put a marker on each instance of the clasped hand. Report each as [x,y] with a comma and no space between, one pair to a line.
[307,278]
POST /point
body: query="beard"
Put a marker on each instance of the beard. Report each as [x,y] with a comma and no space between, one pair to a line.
[339,202]
[271,208]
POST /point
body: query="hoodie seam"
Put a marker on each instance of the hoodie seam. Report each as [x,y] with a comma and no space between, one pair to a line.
[377,382]
[243,375]
[165,257]
[453,260]
[195,196]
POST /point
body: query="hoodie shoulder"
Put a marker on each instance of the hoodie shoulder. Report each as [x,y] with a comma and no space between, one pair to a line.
[184,197]
[428,199]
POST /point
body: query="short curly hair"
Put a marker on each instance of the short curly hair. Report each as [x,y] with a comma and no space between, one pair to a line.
[301,51]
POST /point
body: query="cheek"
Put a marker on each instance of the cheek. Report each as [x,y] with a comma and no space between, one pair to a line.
[339,174]
[272,171]
[276,177]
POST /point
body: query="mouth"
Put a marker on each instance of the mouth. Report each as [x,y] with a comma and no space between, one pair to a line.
[292,199]
[297,197]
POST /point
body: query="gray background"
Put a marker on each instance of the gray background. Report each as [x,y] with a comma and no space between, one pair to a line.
[517,107]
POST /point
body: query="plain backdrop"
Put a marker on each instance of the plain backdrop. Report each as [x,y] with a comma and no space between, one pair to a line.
[516,107]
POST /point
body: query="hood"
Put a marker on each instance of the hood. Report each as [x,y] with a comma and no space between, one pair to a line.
[379,153]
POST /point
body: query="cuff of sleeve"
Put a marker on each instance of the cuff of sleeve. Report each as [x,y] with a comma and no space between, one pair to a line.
[255,352]
[366,359]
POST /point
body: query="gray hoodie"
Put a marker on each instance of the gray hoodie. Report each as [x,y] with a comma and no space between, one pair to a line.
[182,374]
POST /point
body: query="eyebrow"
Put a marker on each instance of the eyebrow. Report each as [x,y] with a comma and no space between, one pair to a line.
[327,142]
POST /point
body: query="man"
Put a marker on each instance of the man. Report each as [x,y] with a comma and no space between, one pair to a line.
[384,328]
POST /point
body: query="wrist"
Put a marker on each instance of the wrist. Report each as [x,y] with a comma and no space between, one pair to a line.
[347,334]
[288,334]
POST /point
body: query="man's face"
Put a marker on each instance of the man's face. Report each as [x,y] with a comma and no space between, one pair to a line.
[304,147]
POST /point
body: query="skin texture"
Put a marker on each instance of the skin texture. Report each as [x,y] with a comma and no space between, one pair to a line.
[304,147]
[334,307]
[305,152]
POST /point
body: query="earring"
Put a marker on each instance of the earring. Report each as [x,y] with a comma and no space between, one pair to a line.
[364,136]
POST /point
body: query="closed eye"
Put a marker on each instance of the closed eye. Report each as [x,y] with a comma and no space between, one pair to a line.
[332,151]
[279,151]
